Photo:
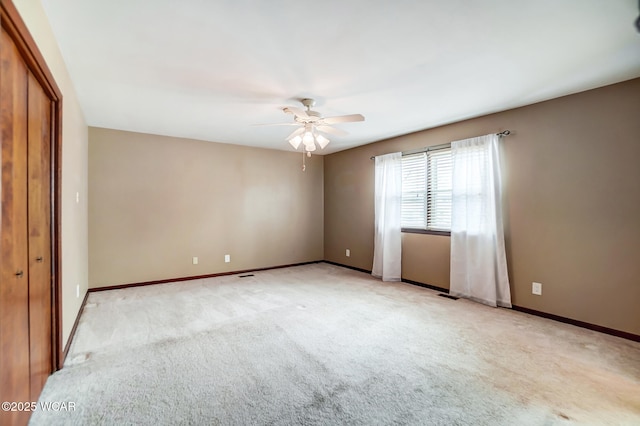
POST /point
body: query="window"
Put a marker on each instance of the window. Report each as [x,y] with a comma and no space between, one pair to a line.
[426,190]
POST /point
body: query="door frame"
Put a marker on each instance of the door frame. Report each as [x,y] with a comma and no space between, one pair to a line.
[13,24]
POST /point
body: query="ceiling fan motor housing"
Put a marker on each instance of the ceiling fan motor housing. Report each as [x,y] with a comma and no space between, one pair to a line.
[311,117]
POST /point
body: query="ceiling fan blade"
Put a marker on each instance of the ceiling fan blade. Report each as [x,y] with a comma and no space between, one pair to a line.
[278,124]
[295,133]
[343,119]
[298,112]
[332,130]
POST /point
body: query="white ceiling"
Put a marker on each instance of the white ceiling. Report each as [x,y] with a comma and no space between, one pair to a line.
[212,69]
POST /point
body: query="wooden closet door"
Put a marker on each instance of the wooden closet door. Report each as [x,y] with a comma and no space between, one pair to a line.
[39,221]
[14,272]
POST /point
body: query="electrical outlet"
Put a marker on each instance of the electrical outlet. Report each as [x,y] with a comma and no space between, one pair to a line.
[536,288]
[195,260]
[347,253]
[77,291]
[77,197]
[227,258]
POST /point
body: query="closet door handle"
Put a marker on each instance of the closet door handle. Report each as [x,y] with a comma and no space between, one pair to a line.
[19,274]
[39,259]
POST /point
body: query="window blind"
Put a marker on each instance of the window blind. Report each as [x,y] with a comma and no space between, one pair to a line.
[439,179]
[414,191]
[426,190]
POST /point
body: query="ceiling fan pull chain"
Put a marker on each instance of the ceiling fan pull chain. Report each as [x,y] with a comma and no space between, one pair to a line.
[304,167]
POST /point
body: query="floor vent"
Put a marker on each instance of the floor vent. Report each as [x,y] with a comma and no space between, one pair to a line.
[448,296]
[245,276]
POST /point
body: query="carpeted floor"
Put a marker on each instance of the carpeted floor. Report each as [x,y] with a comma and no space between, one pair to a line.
[320,344]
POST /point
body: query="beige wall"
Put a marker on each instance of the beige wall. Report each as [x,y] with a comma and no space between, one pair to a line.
[572,193]
[74,167]
[156,202]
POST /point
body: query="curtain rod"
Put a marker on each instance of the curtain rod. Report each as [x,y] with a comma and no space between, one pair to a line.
[434,147]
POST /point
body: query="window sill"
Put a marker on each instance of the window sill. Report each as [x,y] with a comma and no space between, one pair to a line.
[425,231]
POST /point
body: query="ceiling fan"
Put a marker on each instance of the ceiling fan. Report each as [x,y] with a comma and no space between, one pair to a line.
[312,125]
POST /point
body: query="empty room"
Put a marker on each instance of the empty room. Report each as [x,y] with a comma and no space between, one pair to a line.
[320,213]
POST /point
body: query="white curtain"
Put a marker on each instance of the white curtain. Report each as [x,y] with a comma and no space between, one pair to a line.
[388,211]
[478,259]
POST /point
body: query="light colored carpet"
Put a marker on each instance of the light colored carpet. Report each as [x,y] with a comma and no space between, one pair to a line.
[320,344]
